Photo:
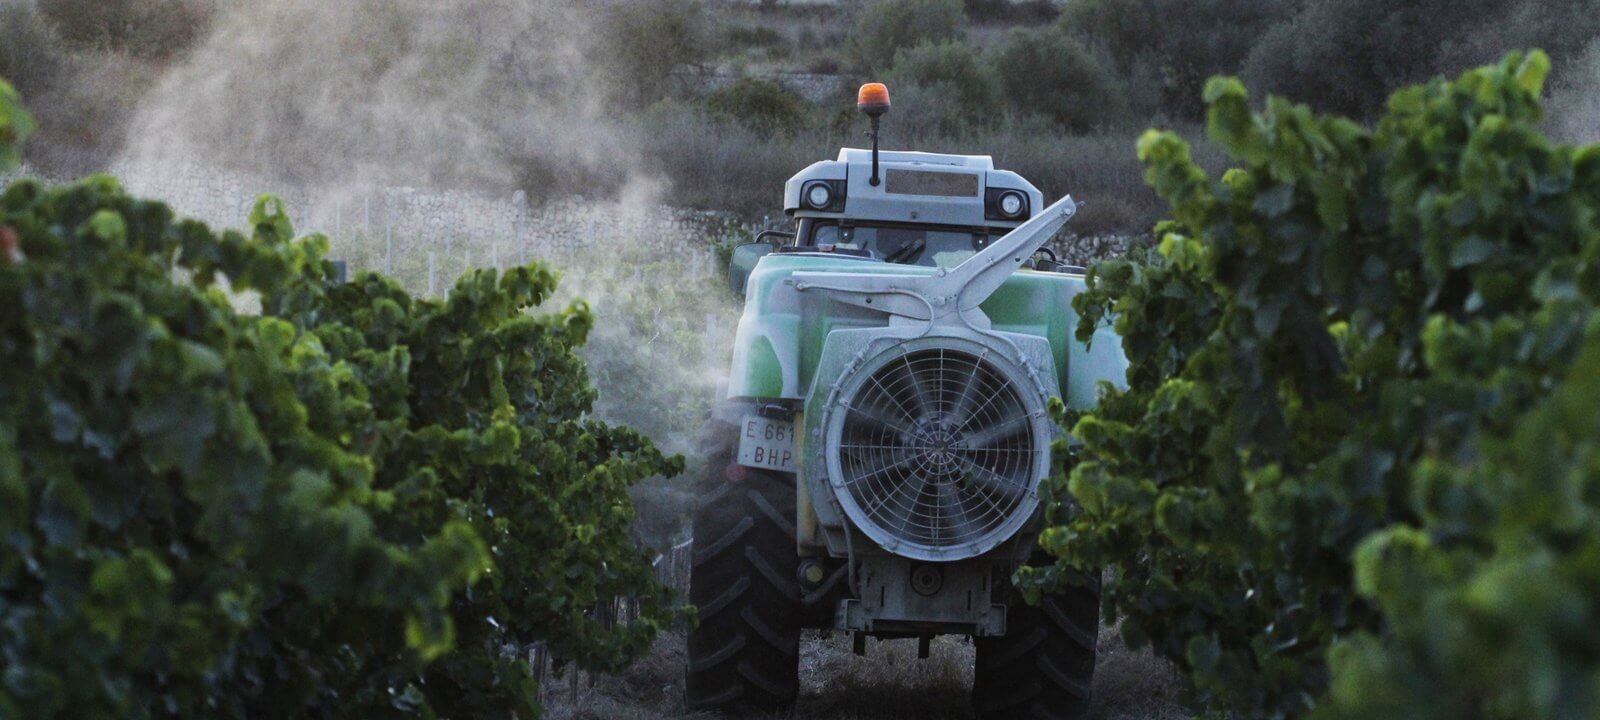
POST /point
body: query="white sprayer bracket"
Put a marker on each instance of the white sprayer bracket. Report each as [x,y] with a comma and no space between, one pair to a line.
[947,296]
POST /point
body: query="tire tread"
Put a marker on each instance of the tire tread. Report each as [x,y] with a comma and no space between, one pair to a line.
[745,651]
[1043,668]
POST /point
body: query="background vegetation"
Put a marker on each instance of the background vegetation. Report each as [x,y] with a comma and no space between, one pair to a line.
[697,84]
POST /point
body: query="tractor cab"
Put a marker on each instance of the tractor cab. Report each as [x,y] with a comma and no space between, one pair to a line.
[910,208]
[926,209]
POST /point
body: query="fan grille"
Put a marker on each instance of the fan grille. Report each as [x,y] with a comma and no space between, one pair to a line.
[937,449]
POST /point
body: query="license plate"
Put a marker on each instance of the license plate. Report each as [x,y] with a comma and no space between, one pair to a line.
[766,443]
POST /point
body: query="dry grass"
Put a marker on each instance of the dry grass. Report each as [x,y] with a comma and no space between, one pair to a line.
[888,683]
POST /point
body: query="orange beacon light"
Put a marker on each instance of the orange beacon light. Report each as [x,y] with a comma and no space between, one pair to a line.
[873,99]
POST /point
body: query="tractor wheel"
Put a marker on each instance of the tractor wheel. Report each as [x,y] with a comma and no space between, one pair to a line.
[1043,667]
[745,651]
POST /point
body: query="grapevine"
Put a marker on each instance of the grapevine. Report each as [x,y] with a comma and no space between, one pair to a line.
[1349,476]
[352,503]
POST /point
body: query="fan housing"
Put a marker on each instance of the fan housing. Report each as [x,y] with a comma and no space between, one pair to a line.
[935,448]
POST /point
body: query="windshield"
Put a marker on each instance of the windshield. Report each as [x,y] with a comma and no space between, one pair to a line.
[911,245]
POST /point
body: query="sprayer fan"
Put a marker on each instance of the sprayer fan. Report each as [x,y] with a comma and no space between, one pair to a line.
[937,453]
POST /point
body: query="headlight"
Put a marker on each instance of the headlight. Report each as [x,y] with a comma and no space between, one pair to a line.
[818,195]
[1006,204]
[1011,204]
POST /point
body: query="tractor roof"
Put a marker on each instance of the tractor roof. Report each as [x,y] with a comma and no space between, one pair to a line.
[971,162]
[914,187]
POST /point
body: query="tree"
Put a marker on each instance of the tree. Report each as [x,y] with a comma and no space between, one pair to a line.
[645,42]
[1044,71]
[1179,43]
[945,85]
[883,28]
[1347,55]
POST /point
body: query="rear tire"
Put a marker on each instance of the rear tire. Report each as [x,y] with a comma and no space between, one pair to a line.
[1043,667]
[745,651]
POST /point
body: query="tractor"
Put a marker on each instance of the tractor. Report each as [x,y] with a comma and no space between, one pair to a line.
[875,466]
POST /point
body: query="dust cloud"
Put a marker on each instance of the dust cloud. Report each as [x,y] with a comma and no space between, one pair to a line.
[423,137]
[1574,104]
[388,92]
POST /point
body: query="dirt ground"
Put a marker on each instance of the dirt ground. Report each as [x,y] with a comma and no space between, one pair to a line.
[888,683]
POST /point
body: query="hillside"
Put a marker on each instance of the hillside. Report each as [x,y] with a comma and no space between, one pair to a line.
[710,104]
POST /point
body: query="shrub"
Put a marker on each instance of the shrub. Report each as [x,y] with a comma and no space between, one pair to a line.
[944,85]
[715,164]
[1359,412]
[886,27]
[345,505]
[31,57]
[759,104]
[1113,215]
[823,64]
[145,28]
[1180,42]
[1347,54]
[640,45]
[1011,11]
[740,37]
[1043,71]
[1099,169]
